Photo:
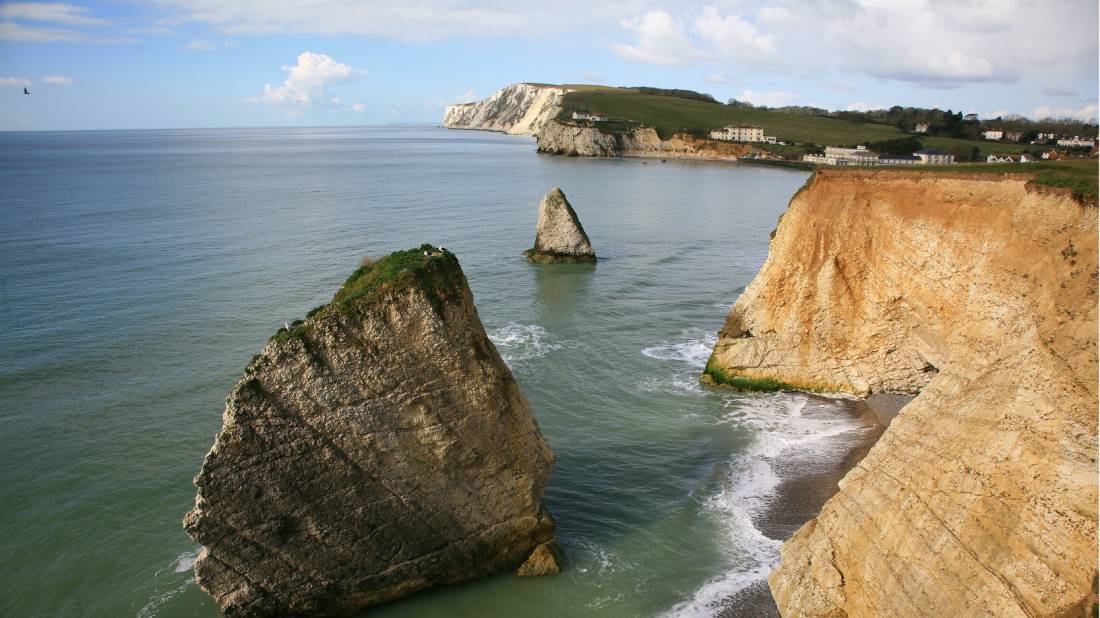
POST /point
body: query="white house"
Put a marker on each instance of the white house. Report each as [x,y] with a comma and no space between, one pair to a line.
[1076,142]
[993,134]
[590,116]
[998,157]
[844,156]
[931,156]
[899,159]
[922,127]
[741,133]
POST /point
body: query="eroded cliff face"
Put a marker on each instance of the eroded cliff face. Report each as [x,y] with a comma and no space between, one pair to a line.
[519,109]
[980,293]
[588,141]
[379,447]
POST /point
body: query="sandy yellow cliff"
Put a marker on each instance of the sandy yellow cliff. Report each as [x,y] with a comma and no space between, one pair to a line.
[980,293]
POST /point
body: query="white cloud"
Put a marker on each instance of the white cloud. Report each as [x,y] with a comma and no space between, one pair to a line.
[393,19]
[718,78]
[1054,91]
[733,38]
[358,107]
[466,97]
[13,31]
[862,106]
[308,82]
[772,98]
[660,39]
[773,14]
[1087,113]
[56,12]
[58,80]
[927,43]
[208,45]
[201,45]
[19,82]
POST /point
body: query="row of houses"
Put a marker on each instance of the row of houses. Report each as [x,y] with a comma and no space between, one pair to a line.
[860,155]
[742,133]
[1076,142]
[997,135]
[590,116]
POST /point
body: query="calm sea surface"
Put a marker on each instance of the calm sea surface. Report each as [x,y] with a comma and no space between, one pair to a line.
[140,270]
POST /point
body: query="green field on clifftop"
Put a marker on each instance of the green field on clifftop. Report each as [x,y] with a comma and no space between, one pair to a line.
[1079,176]
[669,114]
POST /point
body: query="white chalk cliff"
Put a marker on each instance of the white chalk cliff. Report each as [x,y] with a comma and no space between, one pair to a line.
[519,109]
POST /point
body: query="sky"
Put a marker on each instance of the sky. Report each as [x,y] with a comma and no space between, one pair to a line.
[121,64]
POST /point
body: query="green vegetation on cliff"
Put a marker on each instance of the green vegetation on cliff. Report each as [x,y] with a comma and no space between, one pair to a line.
[671,114]
[1077,175]
[433,270]
[436,272]
[743,383]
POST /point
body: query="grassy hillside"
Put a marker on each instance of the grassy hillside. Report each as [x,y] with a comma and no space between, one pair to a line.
[669,114]
[1079,176]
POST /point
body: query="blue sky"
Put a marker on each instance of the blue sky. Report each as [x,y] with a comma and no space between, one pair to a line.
[219,63]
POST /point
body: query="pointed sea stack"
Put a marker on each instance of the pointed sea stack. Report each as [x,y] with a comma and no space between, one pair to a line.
[559,236]
[378,447]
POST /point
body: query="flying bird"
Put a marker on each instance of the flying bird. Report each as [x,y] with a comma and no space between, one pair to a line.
[25,91]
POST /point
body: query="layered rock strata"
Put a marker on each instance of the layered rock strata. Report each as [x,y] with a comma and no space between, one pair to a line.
[518,109]
[576,140]
[980,293]
[559,236]
[376,448]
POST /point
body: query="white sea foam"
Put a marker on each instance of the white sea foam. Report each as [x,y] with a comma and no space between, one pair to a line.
[692,348]
[169,589]
[186,561]
[519,342]
[780,430]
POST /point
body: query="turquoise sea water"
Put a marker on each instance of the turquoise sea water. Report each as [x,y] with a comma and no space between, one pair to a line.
[139,271]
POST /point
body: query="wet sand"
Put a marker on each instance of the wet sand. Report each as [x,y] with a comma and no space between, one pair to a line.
[801,496]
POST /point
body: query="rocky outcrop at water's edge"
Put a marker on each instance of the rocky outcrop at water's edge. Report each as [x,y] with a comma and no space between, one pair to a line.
[587,140]
[979,293]
[376,448]
[559,235]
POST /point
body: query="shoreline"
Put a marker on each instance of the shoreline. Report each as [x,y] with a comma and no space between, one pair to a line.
[801,497]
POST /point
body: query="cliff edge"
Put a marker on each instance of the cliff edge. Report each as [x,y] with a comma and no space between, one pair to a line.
[518,109]
[378,447]
[587,140]
[979,293]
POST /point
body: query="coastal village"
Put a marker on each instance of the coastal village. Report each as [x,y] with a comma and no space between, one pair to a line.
[1047,145]
[861,155]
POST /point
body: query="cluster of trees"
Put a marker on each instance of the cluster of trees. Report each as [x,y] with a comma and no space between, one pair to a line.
[946,123]
[675,92]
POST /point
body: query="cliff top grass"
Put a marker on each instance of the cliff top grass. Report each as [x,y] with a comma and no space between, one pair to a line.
[436,272]
[671,114]
[425,266]
[1079,176]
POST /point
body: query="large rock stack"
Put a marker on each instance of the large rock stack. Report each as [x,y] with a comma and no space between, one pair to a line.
[559,236]
[378,447]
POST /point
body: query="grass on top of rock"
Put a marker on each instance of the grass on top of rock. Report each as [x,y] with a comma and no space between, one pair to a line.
[425,265]
[1077,175]
[436,272]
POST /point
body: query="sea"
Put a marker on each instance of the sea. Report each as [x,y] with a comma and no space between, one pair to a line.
[141,270]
